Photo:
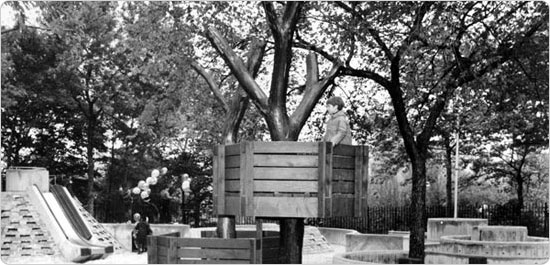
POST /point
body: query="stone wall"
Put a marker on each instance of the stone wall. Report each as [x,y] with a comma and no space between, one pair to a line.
[123,232]
[359,242]
[438,227]
[336,236]
[373,256]
[461,249]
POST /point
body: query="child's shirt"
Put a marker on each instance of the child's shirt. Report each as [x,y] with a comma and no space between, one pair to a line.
[143,229]
[338,127]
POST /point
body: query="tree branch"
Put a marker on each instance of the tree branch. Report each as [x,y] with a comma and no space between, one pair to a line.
[211,84]
[314,90]
[238,68]
[374,33]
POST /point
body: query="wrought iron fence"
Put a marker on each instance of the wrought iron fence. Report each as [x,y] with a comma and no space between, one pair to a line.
[380,220]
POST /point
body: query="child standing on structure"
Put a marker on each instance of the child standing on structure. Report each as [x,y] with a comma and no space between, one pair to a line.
[140,233]
[338,130]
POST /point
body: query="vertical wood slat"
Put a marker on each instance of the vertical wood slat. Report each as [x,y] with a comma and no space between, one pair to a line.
[219,189]
[247,179]
[321,179]
[259,239]
[152,253]
[365,180]
[328,180]
[253,251]
[358,182]
[172,255]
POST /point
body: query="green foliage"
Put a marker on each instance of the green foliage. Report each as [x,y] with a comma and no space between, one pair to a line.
[125,68]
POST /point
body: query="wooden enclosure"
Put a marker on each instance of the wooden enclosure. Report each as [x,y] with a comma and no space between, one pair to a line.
[270,241]
[172,249]
[290,179]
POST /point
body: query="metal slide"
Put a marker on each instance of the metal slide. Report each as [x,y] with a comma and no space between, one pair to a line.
[72,241]
[78,222]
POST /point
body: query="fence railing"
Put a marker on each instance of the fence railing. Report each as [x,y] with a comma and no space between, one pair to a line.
[383,219]
[380,220]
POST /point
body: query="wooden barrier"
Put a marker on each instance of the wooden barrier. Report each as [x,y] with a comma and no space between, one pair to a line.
[290,179]
[172,249]
[269,243]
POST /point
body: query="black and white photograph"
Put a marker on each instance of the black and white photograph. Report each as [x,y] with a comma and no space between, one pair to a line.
[287,132]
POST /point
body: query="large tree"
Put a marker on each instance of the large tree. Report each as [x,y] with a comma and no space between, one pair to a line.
[282,21]
[421,53]
[86,32]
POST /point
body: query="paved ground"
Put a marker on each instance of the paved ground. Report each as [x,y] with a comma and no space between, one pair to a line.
[126,257]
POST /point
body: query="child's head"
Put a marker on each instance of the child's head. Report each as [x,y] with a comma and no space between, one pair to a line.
[137,217]
[336,101]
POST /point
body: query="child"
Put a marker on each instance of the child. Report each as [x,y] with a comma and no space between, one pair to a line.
[140,233]
[338,130]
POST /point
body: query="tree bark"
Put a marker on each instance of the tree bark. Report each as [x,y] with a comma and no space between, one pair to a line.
[90,157]
[291,241]
[418,209]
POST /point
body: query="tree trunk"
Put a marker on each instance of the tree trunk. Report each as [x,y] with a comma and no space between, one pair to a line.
[418,209]
[291,241]
[90,154]
[519,181]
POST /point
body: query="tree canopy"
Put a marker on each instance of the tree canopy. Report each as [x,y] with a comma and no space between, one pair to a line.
[118,88]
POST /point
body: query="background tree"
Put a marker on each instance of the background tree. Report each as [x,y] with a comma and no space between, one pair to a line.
[87,37]
[281,125]
[35,124]
[421,66]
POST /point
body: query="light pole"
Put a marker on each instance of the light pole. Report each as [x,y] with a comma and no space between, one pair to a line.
[457,157]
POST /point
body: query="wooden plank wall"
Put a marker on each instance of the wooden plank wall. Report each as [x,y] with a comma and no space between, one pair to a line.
[176,250]
[285,177]
[269,246]
[153,246]
[350,180]
[290,179]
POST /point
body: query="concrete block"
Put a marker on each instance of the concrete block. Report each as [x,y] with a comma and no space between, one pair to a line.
[20,178]
[500,233]
[438,227]
[363,242]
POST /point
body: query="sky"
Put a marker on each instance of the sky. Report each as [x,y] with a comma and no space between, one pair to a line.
[7,16]
[8,19]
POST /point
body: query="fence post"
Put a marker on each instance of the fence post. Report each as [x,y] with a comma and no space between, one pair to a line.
[247,179]
[546,219]
[259,242]
[172,255]
[152,255]
[322,171]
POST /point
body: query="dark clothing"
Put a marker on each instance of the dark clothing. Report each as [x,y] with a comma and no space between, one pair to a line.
[165,216]
[150,211]
[142,230]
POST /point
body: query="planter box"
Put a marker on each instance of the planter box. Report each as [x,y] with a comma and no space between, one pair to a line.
[290,179]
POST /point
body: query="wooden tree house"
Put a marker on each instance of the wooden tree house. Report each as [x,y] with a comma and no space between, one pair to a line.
[290,179]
